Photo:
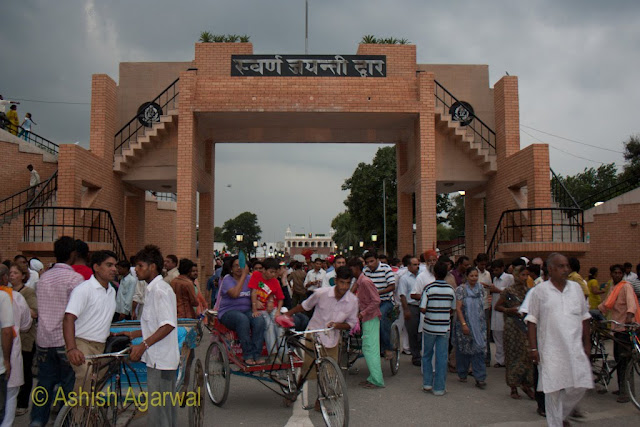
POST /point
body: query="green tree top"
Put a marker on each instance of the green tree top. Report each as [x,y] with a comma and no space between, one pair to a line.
[246,224]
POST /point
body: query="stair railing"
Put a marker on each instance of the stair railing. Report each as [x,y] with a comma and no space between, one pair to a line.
[455,250]
[482,133]
[13,205]
[47,223]
[537,225]
[167,100]
[560,194]
[37,140]
[611,192]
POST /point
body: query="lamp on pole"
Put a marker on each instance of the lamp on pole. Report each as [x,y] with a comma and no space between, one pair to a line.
[264,249]
[239,239]
[255,247]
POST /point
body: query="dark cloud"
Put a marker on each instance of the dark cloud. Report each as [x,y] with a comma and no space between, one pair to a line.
[576,63]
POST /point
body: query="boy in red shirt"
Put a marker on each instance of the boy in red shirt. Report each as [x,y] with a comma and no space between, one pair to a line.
[267,299]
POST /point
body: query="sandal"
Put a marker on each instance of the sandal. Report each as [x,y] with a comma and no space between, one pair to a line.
[514,394]
[481,385]
[250,362]
[370,385]
[530,393]
[462,380]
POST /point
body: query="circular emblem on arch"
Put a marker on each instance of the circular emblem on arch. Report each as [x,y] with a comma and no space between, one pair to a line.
[461,112]
[149,113]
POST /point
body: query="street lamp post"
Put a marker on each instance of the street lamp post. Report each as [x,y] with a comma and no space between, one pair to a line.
[255,248]
[239,239]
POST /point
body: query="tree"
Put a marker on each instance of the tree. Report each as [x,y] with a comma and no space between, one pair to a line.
[455,216]
[345,234]
[246,224]
[590,181]
[632,157]
[364,202]
[217,233]
[206,37]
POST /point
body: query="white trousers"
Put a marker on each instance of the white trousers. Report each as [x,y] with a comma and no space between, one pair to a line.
[498,340]
[559,404]
[404,336]
[10,406]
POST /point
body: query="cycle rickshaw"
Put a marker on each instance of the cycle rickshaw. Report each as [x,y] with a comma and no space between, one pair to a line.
[121,383]
[282,374]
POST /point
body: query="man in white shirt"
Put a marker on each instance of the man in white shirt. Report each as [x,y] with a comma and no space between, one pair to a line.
[559,340]
[410,309]
[87,318]
[314,277]
[484,278]
[330,277]
[171,267]
[6,331]
[629,275]
[501,280]
[158,323]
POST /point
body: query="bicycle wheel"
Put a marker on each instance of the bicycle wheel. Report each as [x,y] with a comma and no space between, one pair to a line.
[632,380]
[395,348]
[90,418]
[600,366]
[217,373]
[196,412]
[332,394]
[343,352]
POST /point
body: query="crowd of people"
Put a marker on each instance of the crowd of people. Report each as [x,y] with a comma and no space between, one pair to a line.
[10,121]
[535,313]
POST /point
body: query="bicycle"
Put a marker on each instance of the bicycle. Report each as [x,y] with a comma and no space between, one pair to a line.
[286,373]
[121,383]
[602,367]
[103,412]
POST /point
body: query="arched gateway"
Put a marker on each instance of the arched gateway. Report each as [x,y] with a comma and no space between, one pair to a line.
[380,95]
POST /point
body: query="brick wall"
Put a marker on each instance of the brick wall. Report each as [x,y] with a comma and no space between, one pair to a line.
[14,175]
[614,240]
[160,228]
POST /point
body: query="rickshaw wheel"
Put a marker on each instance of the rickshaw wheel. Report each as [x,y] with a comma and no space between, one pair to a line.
[332,394]
[196,412]
[395,348]
[217,373]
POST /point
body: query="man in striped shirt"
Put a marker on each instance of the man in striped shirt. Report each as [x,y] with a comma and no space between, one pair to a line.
[382,276]
[437,303]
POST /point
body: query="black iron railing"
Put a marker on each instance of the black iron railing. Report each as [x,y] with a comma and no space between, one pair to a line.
[15,204]
[164,197]
[455,250]
[167,100]
[35,139]
[482,133]
[611,192]
[46,224]
[559,193]
[538,225]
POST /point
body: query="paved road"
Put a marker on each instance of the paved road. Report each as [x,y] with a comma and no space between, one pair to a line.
[402,401]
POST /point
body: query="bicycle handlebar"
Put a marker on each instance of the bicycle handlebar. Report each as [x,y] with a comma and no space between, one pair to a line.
[311,331]
[121,353]
[626,325]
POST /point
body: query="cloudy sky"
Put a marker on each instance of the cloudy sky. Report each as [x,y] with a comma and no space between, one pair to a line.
[577,62]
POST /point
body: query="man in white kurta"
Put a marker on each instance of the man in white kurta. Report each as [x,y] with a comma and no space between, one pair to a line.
[558,321]
[501,281]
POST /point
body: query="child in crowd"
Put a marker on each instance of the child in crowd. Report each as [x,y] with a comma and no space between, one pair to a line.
[267,299]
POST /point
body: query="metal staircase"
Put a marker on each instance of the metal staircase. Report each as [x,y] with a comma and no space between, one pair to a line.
[473,136]
[43,194]
[148,127]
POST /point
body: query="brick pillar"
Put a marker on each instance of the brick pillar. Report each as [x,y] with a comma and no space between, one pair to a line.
[405,224]
[134,222]
[507,116]
[539,191]
[425,137]
[186,170]
[474,225]
[103,116]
